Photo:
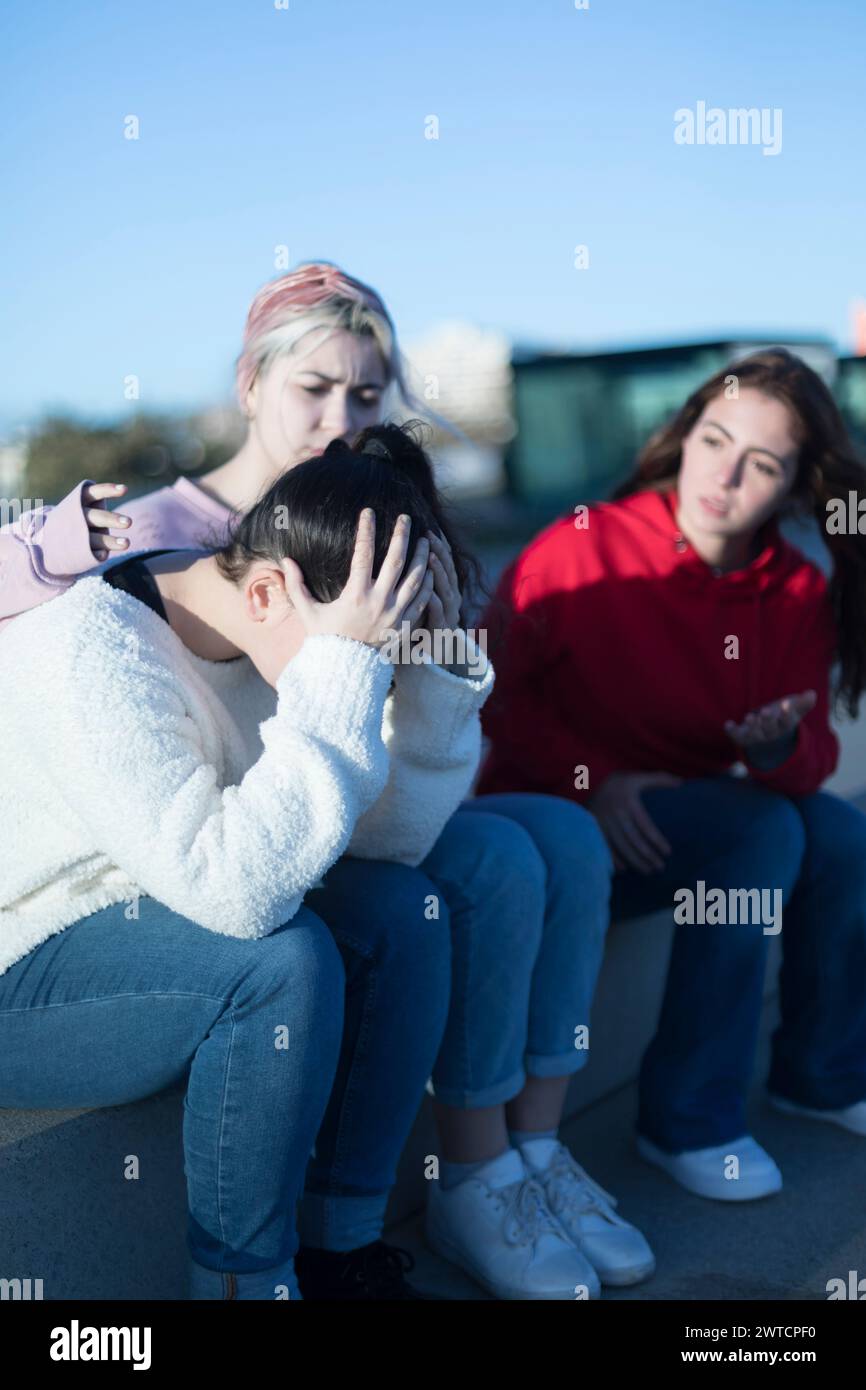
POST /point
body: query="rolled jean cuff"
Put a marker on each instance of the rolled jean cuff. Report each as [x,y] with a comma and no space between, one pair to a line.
[208,1253]
[560,1064]
[341,1223]
[476,1100]
[278,1283]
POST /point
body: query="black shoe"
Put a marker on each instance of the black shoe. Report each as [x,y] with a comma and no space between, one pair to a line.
[373,1271]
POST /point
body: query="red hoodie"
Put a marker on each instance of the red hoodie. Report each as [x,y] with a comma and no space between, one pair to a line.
[613,655]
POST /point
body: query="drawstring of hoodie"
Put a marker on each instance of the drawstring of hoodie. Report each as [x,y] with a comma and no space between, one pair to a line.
[754,663]
[752,656]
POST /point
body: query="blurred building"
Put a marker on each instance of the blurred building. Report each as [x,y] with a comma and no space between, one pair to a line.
[583,417]
[850,392]
[462,374]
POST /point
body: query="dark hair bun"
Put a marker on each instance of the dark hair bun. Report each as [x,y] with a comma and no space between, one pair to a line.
[401,446]
[378,448]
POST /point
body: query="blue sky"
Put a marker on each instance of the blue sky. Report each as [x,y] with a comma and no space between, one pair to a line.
[261,127]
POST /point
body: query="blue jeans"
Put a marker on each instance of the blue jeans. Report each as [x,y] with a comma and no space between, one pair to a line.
[734,833]
[313,1033]
[323,1033]
[527,880]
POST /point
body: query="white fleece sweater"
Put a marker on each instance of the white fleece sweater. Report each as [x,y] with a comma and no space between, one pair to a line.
[133,767]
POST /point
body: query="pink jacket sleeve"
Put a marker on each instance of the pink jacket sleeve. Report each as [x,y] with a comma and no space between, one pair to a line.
[43,553]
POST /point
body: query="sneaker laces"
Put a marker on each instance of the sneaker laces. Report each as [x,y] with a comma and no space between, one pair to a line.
[527,1215]
[571,1189]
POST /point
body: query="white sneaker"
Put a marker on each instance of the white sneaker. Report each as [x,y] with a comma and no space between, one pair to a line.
[853,1117]
[618,1252]
[703,1171]
[497,1226]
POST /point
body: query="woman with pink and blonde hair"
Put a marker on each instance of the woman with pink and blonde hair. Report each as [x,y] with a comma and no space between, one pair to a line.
[524,880]
[319,353]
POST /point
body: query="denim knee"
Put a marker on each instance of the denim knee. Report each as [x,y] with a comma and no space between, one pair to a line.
[758,840]
[780,838]
[835,833]
[571,841]
[300,959]
[567,836]
[503,855]
[590,845]
[479,852]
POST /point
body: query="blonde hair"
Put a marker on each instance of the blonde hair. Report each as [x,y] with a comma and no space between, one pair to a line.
[318,295]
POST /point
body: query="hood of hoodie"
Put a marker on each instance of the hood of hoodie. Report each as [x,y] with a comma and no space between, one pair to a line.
[656,513]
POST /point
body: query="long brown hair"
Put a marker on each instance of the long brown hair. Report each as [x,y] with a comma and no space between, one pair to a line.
[827,469]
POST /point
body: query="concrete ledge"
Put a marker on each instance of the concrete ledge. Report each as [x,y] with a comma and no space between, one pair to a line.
[69,1217]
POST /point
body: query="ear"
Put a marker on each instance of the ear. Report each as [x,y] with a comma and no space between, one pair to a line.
[265,595]
[251,400]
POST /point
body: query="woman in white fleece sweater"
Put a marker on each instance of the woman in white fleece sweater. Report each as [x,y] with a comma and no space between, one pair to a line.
[525,878]
[520,883]
[156,881]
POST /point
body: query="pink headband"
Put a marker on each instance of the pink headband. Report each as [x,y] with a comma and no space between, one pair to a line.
[292,294]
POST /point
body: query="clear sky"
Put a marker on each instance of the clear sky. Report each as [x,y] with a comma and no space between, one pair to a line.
[305,126]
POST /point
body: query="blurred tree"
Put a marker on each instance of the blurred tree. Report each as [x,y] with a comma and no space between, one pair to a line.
[148,451]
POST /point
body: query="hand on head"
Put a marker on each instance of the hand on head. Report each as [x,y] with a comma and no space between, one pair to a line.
[368,609]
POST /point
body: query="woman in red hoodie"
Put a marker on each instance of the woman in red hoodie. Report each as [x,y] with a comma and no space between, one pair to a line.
[654,646]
